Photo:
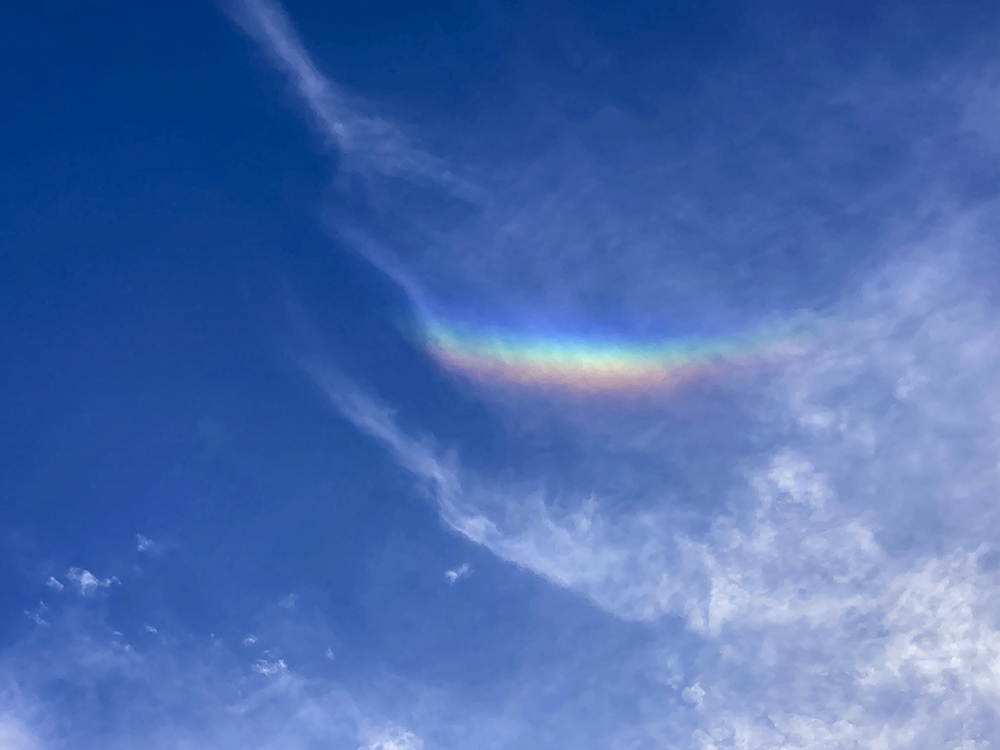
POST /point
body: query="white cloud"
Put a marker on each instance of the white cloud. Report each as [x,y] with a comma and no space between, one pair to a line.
[369,143]
[394,738]
[36,616]
[377,421]
[88,582]
[269,668]
[624,566]
[694,694]
[834,594]
[143,543]
[462,571]
[53,583]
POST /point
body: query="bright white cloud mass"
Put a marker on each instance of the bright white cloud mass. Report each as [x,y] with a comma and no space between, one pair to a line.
[800,555]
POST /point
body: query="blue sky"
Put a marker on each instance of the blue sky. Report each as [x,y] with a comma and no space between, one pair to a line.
[242,507]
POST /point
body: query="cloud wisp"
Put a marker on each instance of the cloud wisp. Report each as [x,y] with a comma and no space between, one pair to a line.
[370,144]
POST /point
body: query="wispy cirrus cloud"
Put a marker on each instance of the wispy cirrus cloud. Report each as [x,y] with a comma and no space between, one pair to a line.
[369,143]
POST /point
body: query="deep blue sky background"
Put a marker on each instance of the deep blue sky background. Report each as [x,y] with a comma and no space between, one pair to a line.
[164,254]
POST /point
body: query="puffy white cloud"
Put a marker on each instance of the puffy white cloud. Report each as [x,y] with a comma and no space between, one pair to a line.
[88,582]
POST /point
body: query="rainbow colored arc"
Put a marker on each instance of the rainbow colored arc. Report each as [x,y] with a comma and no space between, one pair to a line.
[583,365]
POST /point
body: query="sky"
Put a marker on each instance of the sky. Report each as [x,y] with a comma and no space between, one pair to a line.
[481,376]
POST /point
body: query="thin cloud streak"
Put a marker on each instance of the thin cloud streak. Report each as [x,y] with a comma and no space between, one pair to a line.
[580,551]
[369,143]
